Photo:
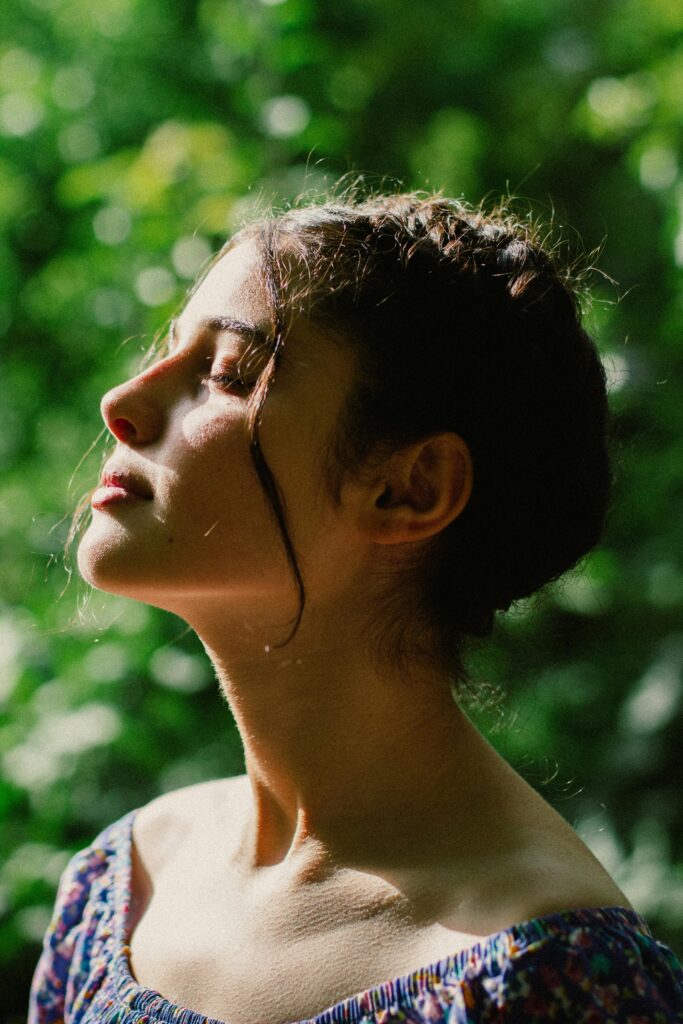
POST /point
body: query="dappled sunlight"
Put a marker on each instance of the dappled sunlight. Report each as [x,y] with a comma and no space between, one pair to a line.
[136,136]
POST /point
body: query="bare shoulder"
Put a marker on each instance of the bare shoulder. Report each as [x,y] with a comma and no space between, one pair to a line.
[168,822]
[553,870]
[564,876]
[526,861]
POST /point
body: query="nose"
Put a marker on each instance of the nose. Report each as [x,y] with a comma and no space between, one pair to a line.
[131,413]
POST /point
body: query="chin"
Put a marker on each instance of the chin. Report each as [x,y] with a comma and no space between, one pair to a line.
[113,561]
[99,572]
[107,561]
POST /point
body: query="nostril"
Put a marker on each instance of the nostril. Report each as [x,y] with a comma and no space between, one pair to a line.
[122,429]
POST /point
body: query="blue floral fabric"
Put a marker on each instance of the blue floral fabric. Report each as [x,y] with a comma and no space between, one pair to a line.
[592,966]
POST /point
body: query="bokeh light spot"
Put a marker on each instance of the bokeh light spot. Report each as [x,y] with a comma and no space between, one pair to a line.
[73,88]
[110,307]
[20,114]
[616,370]
[154,286]
[658,168]
[78,142]
[189,254]
[655,700]
[112,225]
[619,103]
[285,116]
[20,69]
[31,922]
[178,670]
[568,51]
[106,663]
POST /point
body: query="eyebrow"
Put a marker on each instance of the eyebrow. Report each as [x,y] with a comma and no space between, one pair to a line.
[226,323]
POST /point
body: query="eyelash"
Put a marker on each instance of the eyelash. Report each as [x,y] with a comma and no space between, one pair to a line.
[227,381]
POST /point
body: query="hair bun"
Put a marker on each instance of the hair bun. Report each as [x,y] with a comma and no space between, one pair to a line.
[460,322]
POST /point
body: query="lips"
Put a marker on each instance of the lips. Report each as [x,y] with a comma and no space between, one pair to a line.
[126,482]
[120,487]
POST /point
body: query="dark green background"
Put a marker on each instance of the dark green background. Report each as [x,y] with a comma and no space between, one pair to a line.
[136,134]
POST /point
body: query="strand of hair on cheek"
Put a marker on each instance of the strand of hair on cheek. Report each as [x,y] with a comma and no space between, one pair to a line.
[268,482]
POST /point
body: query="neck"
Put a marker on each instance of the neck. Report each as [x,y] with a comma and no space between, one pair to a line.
[345,757]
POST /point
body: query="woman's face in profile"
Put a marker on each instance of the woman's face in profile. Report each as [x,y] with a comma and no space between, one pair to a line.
[202,529]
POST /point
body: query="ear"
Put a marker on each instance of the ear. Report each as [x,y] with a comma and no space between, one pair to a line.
[422,489]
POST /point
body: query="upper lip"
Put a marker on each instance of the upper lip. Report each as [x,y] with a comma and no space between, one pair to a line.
[129,481]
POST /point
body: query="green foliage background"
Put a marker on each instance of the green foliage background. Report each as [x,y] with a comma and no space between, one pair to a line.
[135,135]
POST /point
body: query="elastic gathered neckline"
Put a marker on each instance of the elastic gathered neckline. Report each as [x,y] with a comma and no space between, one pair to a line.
[488,956]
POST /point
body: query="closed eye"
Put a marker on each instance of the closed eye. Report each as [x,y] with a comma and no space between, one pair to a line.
[229,381]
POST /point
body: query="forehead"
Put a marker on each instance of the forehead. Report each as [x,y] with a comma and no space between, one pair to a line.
[232,288]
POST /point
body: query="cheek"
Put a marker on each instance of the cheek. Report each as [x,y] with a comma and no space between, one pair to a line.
[208,452]
[214,460]
[213,498]
[203,431]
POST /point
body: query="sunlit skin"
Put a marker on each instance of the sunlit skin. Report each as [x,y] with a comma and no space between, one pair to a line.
[207,548]
[354,764]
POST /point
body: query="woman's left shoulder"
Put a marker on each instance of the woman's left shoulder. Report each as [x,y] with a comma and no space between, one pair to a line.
[592,965]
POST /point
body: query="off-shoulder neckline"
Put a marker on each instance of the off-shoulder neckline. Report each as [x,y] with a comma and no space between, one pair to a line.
[486,954]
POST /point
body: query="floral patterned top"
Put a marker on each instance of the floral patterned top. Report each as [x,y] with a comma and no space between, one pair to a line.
[591,966]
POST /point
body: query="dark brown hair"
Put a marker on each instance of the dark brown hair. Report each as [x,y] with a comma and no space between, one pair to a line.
[461,322]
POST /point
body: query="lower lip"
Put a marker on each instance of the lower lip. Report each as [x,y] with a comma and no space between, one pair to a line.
[104,497]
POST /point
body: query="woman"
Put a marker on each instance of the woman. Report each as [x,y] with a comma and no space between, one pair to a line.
[375,424]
